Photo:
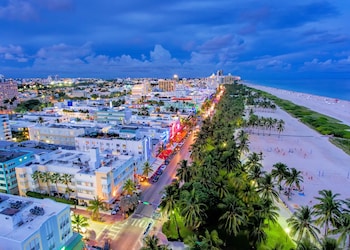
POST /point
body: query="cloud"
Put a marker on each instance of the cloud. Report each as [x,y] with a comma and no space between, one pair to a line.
[18,10]
[13,53]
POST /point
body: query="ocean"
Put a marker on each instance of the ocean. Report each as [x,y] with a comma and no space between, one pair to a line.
[335,88]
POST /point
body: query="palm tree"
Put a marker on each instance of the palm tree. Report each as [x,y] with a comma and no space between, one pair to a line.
[280,172]
[234,215]
[294,177]
[66,179]
[302,224]
[192,209]
[147,169]
[169,202]
[211,240]
[95,205]
[329,244]
[343,229]
[306,244]
[129,186]
[79,222]
[46,177]
[327,210]
[243,142]
[253,160]
[280,127]
[152,243]
[266,188]
[256,232]
[56,177]
[183,172]
[37,175]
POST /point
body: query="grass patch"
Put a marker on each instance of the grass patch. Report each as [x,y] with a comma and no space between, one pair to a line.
[344,144]
[277,236]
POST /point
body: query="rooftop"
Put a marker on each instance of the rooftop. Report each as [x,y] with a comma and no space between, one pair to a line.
[20,216]
[7,155]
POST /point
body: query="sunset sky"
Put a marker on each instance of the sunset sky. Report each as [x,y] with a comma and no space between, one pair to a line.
[191,38]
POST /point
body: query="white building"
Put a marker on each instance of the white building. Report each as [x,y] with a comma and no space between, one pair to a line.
[55,134]
[116,144]
[5,130]
[35,224]
[91,174]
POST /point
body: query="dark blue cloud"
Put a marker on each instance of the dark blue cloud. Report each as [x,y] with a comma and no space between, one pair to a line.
[190,37]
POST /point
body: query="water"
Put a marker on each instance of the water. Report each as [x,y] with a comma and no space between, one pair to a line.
[335,88]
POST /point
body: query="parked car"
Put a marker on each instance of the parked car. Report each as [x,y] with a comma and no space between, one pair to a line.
[163,167]
[159,172]
[155,178]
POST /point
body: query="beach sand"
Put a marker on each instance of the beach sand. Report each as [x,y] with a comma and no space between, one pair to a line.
[339,109]
[323,165]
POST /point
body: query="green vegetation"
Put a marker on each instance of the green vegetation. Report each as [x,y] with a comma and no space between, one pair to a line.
[325,125]
[224,203]
[32,105]
[42,196]
[276,236]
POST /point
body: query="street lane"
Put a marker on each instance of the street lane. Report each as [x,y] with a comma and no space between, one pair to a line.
[130,237]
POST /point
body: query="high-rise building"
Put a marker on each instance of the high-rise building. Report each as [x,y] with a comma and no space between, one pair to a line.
[35,224]
[5,130]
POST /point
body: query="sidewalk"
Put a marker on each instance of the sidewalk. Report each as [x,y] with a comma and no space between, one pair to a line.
[105,216]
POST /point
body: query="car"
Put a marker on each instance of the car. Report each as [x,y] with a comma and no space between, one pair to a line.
[115,211]
[163,167]
[155,178]
[147,228]
[159,172]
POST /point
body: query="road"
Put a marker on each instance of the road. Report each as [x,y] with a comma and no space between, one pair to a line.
[130,233]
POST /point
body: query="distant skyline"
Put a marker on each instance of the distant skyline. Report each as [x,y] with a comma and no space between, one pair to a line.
[190,38]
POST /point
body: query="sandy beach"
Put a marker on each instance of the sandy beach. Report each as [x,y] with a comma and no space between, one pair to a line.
[323,165]
[339,109]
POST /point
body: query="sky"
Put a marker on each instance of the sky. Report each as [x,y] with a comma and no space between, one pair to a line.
[191,38]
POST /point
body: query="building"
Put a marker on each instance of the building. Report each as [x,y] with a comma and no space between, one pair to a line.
[166,85]
[113,116]
[91,174]
[35,224]
[9,160]
[5,130]
[117,144]
[58,134]
[9,94]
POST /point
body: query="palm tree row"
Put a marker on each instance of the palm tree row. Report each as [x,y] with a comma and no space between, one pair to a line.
[265,123]
[52,178]
[231,198]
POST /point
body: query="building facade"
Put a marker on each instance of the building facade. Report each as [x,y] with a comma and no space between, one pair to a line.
[90,174]
[5,130]
[35,224]
[58,134]
[166,85]
[9,94]
[9,160]
[115,144]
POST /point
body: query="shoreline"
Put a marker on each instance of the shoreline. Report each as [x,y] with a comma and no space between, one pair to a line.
[323,165]
[333,107]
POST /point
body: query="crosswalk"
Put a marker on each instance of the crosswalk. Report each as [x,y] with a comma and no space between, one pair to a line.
[115,229]
[139,222]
